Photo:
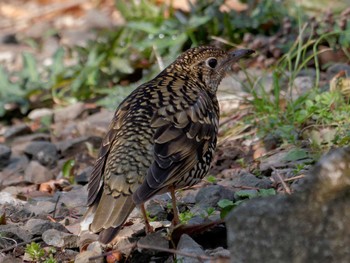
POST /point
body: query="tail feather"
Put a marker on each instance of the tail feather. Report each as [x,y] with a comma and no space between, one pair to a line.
[109,214]
[107,235]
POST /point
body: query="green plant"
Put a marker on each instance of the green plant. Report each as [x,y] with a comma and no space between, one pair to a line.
[185,217]
[68,170]
[282,113]
[38,254]
[35,252]
[211,179]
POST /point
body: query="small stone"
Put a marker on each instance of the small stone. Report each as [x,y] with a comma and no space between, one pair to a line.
[75,198]
[156,210]
[70,112]
[38,226]
[5,154]
[83,177]
[14,232]
[74,146]
[7,198]
[243,178]
[218,252]
[157,238]
[9,259]
[337,67]
[36,173]
[44,152]
[53,237]
[37,114]
[84,257]
[16,130]
[95,124]
[188,245]
[212,194]
[40,208]
[302,85]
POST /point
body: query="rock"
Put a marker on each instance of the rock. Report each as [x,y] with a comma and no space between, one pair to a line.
[53,237]
[38,226]
[95,124]
[16,130]
[37,114]
[9,259]
[36,173]
[71,147]
[302,85]
[157,239]
[283,159]
[84,257]
[44,152]
[157,211]
[40,207]
[83,177]
[70,112]
[75,198]
[13,232]
[188,245]
[5,154]
[243,178]
[7,198]
[308,226]
[210,196]
[218,252]
[20,143]
[337,67]
[13,172]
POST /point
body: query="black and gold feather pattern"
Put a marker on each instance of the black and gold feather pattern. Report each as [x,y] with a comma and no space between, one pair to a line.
[162,135]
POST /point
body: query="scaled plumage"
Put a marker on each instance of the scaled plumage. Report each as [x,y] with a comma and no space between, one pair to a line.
[162,136]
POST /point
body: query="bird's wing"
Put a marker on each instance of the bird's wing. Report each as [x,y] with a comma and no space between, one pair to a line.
[96,177]
[180,141]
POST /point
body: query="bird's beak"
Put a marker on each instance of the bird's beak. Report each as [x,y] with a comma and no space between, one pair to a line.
[236,55]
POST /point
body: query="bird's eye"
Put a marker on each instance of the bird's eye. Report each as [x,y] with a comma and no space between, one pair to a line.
[212,62]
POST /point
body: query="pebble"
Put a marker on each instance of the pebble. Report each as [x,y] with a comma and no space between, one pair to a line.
[210,196]
[5,154]
[37,173]
[37,226]
[53,237]
[44,152]
[188,245]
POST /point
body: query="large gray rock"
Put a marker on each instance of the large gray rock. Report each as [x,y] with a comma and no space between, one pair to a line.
[309,226]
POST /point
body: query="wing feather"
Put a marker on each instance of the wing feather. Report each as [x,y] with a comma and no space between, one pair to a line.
[180,142]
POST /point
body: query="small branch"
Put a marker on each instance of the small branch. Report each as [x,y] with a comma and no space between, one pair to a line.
[285,186]
[294,178]
[20,244]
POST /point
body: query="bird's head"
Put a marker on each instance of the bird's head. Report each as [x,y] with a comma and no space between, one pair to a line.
[207,64]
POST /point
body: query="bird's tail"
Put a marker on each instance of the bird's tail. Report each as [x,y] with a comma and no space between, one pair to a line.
[107,216]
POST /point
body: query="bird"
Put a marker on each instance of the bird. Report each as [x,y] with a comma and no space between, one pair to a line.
[161,138]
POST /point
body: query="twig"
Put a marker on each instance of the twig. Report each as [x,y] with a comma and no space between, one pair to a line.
[19,244]
[162,249]
[54,210]
[294,178]
[285,186]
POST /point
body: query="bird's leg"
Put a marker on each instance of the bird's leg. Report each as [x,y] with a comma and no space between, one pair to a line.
[176,220]
[149,228]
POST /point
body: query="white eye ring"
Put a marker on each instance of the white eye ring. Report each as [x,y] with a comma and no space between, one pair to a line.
[212,62]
